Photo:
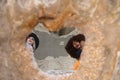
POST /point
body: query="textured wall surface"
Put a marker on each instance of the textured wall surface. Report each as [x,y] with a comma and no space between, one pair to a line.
[99,20]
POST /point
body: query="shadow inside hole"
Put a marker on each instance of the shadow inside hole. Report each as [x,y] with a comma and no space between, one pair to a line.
[63,31]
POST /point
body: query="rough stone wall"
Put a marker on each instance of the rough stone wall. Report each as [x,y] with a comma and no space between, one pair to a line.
[117,68]
[99,20]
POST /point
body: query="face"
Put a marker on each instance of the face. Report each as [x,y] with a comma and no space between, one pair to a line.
[78,45]
[31,41]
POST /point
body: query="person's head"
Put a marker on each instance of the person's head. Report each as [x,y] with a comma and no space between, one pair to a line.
[33,40]
[78,45]
[78,41]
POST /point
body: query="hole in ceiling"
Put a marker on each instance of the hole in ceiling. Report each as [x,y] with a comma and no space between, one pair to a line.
[51,55]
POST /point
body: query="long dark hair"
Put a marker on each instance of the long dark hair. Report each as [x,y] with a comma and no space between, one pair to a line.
[69,46]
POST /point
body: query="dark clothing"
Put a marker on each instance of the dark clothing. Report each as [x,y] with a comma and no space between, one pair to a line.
[73,52]
[78,53]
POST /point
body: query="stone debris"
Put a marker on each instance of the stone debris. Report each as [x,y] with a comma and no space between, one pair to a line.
[61,72]
[59,63]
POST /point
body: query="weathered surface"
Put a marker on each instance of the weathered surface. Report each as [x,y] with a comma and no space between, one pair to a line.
[117,68]
[99,20]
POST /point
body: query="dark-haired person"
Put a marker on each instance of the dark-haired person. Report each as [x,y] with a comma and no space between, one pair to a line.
[74,47]
[32,41]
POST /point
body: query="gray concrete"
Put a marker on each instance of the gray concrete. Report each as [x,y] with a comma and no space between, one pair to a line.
[50,45]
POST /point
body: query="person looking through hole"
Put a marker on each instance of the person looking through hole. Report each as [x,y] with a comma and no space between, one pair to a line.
[74,48]
[32,42]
